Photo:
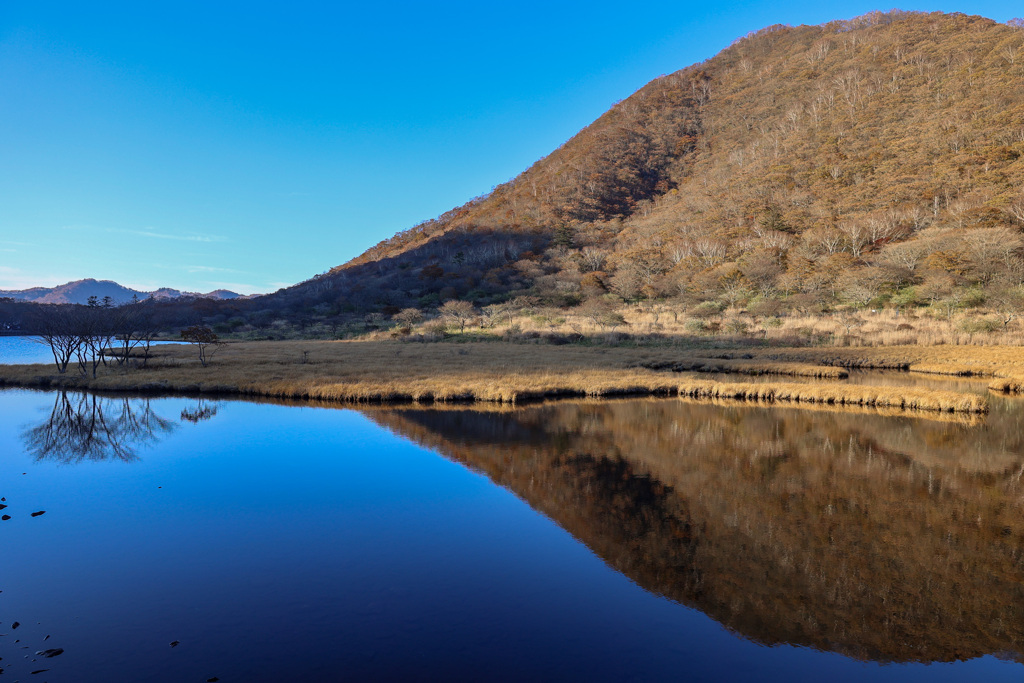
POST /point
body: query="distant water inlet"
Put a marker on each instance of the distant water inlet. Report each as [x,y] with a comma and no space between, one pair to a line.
[181,539]
[21,350]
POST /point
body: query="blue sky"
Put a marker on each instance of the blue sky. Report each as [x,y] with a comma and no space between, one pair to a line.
[252,145]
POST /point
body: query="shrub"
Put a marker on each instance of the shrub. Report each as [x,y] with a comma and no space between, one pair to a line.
[707,309]
[736,326]
[973,298]
[614,338]
[694,326]
[556,339]
[435,328]
[612,319]
[764,306]
[979,325]
[905,298]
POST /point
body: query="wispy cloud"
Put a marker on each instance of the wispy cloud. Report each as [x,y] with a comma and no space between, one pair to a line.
[183,237]
[15,278]
[211,269]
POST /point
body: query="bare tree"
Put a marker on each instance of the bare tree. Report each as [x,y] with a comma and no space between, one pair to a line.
[203,338]
[857,237]
[133,328]
[510,308]
[408,317]
[458,313]
[54,325]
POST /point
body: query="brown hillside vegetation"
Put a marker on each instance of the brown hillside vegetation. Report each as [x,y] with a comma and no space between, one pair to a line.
[884,538]
[861,164]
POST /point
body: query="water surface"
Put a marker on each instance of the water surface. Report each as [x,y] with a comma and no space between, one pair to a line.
[23,350]
[18,350]
[650,539]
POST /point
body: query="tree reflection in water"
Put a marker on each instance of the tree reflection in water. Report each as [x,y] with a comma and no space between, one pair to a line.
[86,427]
[200,412]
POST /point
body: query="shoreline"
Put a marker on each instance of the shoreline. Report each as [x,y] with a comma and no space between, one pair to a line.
[507,373]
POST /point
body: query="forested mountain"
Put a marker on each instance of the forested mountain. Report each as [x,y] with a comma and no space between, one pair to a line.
[80,291]
[869,162]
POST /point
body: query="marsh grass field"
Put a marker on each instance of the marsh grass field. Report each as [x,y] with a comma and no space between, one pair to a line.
[506,372]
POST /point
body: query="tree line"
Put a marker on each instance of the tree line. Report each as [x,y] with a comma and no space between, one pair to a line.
[94,335]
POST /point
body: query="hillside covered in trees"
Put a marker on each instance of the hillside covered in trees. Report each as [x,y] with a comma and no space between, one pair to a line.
[870,163]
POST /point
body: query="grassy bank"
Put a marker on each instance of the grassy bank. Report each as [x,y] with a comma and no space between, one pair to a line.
[748,367]
[902,398]
[501,372]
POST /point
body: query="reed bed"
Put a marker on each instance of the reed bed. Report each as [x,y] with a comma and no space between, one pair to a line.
[499,372]
[1013,384]
[977,361]
[749,367]
[1009,380]
[838,394]
[953,369]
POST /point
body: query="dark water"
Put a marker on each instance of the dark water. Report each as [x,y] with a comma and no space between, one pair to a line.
[627,540]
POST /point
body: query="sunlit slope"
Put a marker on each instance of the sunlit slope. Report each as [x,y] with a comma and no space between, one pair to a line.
[888,146]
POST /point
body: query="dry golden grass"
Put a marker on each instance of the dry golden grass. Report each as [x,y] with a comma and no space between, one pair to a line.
[983,361]
[749,367]
[946,369]
[860,329]
[375,372]
[1008,385]
[493,372]
[838,394]
[1009,380]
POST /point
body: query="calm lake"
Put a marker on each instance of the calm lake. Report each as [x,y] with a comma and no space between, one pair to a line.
[18,350]
[22,350]
[648,539]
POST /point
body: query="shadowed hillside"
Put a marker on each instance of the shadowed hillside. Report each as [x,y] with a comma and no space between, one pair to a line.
[882,538]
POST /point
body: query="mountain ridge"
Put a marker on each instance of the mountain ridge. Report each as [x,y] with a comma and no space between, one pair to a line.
[79,292]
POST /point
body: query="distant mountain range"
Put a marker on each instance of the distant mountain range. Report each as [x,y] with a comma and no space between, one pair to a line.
[79,292]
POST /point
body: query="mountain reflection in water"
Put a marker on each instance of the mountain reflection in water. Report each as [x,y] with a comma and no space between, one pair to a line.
[886,538]
[87,427]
